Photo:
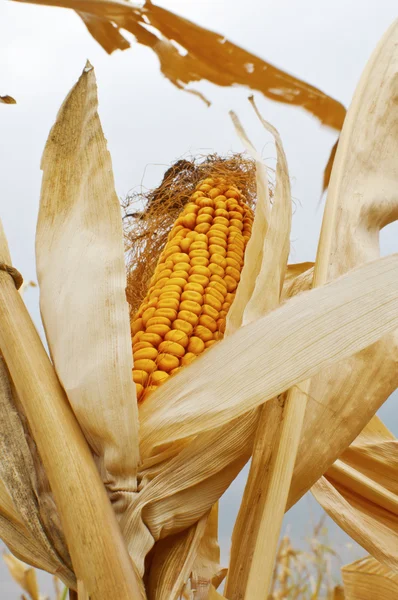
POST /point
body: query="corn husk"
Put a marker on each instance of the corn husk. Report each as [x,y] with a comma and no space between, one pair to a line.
[360,492]
[79,223]
[366,579]
[362,199]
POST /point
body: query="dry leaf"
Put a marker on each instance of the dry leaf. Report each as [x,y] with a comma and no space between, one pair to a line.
[360,492]
[366,579]
[265,297]
[209,56]
[7,100]
[206,569]
[362,199]
[18,473]
[172,562]
[84,309]
[24,575]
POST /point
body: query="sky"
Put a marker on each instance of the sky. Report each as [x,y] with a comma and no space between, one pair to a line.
[149,123]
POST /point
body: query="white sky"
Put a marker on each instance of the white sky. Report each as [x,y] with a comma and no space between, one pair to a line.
[149,123]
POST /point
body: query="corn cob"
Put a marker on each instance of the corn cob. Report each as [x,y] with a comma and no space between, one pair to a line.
[193,286]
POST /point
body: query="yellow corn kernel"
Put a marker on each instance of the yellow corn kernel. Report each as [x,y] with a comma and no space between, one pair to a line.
[213,193]
[219,260]
[220,212]
[201,279]
[194,287]
[165,295]
[207,210]
[219,286]
[192,296]
[140,390]
[197,195]
[221,325]
[158,377]
[202,227]
[169,313]
[200,271]
[145,353]
[147,315]
[231,262]
[216,227]
[196,345]
[220,202]
[204,202]
[179,257]
[177,336]
[188,358]
[167,362]
[233,273]
[210,311]
[173,348]
[181,266]
[140,345]
[191,306]
[145,365]
[137,326]
[140,376]
[198,246]
[182,325]
[189,316]
[208,322]
[231,193]
[204,219]
[206,187]
[152,338]
[214,292]
[216,269]
[203,333]
[169,303]
[211,300]
[232,284]
[199,260]
[189,220]
[217,241]
[235,255]
[159,329]
[197,253]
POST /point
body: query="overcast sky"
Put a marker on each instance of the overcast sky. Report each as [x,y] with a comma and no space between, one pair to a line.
[149,123]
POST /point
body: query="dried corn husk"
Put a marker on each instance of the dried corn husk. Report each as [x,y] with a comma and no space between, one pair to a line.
[209,55]
[17,471]
[79,223]
[366,579]
[360,492]
[362,199]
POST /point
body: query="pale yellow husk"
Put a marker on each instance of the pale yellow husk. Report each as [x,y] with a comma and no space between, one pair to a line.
[366,579]
[82,279]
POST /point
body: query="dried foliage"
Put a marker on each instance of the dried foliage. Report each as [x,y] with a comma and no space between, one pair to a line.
[307,573]
[7,100]
[149,216]
[205,55]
